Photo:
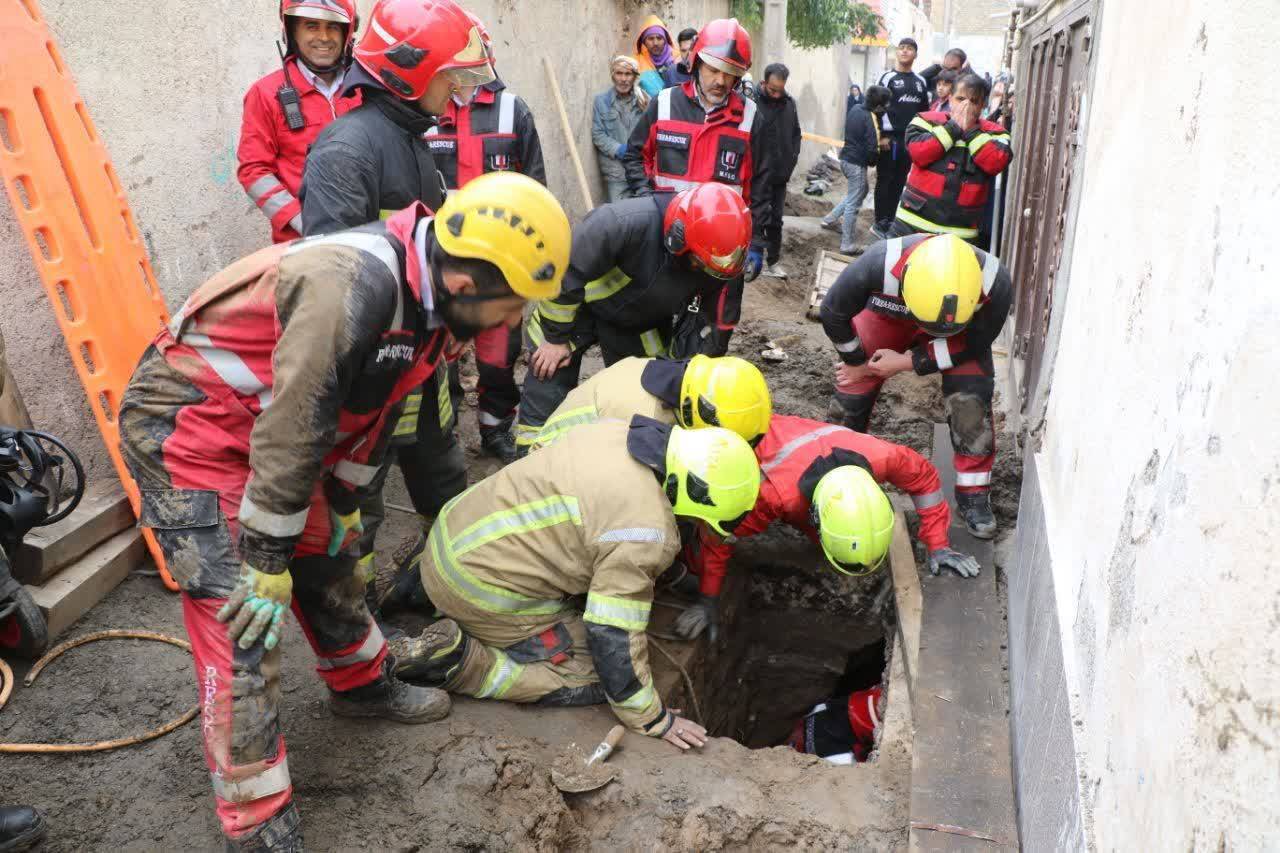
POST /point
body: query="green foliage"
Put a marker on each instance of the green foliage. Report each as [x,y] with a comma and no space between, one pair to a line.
[814,23]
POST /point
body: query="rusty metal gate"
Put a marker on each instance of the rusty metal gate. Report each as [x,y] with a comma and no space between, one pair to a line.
[1051,87]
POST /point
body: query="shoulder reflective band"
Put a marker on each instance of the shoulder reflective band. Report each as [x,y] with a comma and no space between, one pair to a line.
[795,444]
[990,269]
[559,424]
[892,254]
[619,612]
[748,115]
[664,105]
[501,676]
[367,651]
[377,246]
[273,780]
[941,354]
[606,285]
[506,113]
[230,368]
[524,518]
[929,500]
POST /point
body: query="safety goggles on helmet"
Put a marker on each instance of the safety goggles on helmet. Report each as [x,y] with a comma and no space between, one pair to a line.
[720,64]
[726,267]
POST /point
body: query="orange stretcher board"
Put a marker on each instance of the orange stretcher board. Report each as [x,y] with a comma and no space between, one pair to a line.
[77,223]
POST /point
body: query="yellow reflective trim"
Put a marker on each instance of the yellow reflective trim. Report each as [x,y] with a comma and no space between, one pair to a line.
[384,215]
[486,596]
[652,343]
[940,131]
[619,612]
[408,422]
[640,701]
[983,138]
[537,337]
[527,435]
[445,401]
[932,227]
[562,422]
[523,518]
[607,285]
[501,676]
[921,123]
[557,312]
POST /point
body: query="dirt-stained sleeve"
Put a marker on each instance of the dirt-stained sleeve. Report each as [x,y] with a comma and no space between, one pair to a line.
[331,305]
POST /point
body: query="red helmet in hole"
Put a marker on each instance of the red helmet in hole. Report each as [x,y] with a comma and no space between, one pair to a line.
[712,222]
[409,42]
[724,45]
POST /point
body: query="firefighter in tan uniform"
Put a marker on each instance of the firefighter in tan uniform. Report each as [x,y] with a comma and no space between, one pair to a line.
[596,516]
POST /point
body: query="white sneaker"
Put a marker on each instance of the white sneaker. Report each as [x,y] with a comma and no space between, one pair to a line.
[775,271]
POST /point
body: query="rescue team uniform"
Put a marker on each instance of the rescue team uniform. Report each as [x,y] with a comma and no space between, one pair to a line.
[271,154]
[794,454]
[843,730]
[583,517]
[493,132]
[678,144]
[374,160]
[951,175]
[266,405]
[622,289]
[864,312]
[633,386]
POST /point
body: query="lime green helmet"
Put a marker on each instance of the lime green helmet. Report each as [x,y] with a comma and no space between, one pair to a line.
[713,475]
[854,520]
[727,392]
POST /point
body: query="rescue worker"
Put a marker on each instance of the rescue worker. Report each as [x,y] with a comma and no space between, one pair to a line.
[257,419]
[933,304]
[412,59]
[489,129]
[802,462]
[635,264]
[705,130]
[595,516]
[955,158]
[727,392]
[285,111]
[841,731]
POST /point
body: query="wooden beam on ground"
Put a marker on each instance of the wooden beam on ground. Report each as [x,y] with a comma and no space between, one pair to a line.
[103,513]
[961,767]
[70,594]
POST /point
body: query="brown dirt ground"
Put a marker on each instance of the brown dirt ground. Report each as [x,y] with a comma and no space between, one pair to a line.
[480,779]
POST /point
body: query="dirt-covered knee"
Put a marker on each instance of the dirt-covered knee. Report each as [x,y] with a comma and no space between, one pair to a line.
[970,418]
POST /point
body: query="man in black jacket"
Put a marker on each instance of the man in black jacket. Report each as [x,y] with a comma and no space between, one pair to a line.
[908,95]
[861,151]
[780,127]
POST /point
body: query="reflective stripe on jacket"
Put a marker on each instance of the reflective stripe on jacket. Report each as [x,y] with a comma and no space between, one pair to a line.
[951,173]
[615,393]
[495,132]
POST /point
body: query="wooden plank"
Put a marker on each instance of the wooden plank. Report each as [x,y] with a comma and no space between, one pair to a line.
[961,767]
[103,513]
[906,588]
[72,592]
[826,271]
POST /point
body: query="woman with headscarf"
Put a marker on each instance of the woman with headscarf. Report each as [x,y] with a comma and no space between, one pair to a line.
[656,55]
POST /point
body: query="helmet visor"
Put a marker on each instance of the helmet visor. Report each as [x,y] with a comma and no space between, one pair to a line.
[720,64]
[724,267]
[471,66]
[941,330]
[318,10]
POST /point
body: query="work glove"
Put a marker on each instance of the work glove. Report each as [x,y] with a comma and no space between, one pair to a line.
[257,604]
[620,151]
[755,263]
[702,615]
[343,526]
[945,558]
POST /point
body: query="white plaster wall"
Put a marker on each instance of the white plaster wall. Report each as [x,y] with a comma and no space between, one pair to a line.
[163,81]
[1161,463]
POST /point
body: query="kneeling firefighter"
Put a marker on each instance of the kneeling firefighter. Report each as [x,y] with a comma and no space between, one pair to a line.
[254,425]
[823,480]
[596,516]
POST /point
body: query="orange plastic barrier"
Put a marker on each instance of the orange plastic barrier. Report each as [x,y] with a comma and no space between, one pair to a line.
[77,223]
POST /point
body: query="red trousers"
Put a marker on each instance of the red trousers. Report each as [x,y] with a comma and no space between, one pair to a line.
[496,353]
[967,391]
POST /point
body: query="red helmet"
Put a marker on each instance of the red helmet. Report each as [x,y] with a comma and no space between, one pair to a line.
[339,11]
[408,42]
[712,222]
[724,45]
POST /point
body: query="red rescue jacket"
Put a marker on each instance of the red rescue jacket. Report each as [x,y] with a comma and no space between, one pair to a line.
[787,451]
[495,132]
[951,173]
[272,156]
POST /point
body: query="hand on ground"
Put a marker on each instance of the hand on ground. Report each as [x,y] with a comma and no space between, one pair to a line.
[685,733]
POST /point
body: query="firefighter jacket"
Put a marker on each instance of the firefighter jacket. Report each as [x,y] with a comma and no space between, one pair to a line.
[951,173]
[632,386]
[272,155]
[371,162]
[585,517]
[311,346]
[874,282]
[794,454]
[677,145]
[621,271]
[495,132]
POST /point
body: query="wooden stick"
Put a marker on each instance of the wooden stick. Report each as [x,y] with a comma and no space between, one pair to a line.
[825,140]
[568,134]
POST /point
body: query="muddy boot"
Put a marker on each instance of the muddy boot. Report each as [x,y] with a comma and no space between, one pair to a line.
[282,833]
[406,591]
[365,568]
[432,657]
[852,411]
[391,699]
[498,442]
[975,509]
[21,828]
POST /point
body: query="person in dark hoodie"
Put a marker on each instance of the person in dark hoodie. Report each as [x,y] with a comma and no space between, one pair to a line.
[861,151]
[780,126]
[686,39]
[657,55]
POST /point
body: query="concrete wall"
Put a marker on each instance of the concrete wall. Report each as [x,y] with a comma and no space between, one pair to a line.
[1158,469]
[165,90]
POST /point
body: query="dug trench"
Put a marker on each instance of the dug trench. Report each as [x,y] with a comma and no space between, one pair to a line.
[793,634]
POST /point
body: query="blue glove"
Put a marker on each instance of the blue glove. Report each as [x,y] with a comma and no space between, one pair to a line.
[755,263]
[620,152]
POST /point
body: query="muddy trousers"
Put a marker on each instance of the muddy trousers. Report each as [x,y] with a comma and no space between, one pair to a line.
[967,390]
[498,395]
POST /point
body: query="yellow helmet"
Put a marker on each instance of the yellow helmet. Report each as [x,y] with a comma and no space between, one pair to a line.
[712,474]
[726,392]
[854,520]
[514,223]
[942,284]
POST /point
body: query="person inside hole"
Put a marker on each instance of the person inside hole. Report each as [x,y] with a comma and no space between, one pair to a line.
[841,730]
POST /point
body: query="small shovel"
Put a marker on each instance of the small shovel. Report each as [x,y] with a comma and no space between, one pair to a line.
[573,776]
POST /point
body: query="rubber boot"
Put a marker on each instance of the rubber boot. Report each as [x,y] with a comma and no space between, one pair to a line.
[498,442]
[433,656]
[975,509]
[852,411]
[21,828]
[282,833]
[391,699]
